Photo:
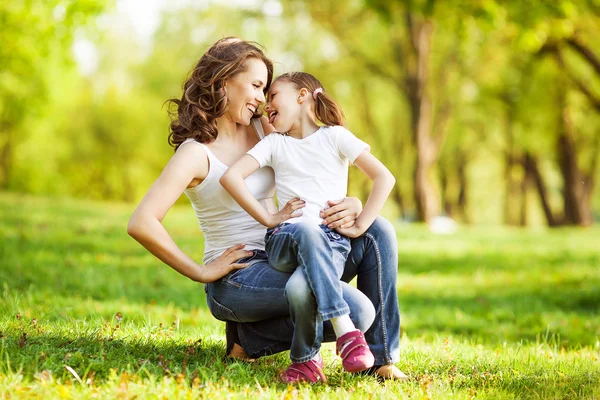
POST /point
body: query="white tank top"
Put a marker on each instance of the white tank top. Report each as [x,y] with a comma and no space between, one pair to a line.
[222,221]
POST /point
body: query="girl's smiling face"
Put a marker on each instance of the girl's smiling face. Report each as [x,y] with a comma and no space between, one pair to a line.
[283,107]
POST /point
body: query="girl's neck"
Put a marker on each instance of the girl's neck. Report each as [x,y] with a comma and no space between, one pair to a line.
[305,127]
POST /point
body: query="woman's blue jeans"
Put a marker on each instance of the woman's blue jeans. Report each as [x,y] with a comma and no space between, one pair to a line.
[258,297]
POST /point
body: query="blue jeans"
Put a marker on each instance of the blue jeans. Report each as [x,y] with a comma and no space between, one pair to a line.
[261,293]
[321,254]
[257,294]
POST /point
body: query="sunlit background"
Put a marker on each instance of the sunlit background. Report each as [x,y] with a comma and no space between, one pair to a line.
[486,111]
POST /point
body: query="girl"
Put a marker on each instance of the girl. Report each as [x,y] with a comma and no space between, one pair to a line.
[311,166]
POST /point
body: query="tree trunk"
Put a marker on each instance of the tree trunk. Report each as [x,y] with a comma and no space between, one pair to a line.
[447,205]
[524,188]
[426,197]
[5,155]
[463,188]
[511,193]
[530,165]
[577,205]
[399,200]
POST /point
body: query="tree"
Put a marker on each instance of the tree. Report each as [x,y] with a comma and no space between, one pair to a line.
[34,35]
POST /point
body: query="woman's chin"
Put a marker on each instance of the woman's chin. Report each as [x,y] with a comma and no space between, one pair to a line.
[245,121]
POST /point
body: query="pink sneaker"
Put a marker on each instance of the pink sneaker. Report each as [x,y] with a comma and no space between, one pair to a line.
[355,353]
[308,371]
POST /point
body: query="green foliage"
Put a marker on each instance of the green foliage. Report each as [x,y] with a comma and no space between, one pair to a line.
[104,135]
[36,37]
[85,311]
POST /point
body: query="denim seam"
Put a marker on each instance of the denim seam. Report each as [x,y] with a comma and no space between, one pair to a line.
[381,302]
[254,288]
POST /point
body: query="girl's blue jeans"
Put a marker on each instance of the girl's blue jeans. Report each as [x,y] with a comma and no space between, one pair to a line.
[271,304]
[320,253]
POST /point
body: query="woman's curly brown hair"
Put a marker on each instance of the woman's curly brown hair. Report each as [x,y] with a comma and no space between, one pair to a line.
[203,99]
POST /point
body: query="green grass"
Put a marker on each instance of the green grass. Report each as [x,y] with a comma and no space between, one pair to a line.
[86,312]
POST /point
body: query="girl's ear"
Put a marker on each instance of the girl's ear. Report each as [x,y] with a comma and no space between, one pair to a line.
[302,95]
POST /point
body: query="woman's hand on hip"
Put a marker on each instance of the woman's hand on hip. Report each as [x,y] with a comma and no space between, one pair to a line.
[341,213]
[224,264]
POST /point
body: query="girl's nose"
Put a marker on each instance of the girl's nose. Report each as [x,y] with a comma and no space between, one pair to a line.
[267,106]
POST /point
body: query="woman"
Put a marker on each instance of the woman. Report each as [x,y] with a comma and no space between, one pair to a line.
[216,123]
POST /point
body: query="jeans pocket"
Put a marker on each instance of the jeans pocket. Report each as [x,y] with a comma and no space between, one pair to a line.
[219,311]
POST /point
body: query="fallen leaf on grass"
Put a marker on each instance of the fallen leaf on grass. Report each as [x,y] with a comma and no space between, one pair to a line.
[74,373]
[23,341]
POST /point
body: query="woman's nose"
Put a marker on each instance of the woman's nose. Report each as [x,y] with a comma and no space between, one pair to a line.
[261,97]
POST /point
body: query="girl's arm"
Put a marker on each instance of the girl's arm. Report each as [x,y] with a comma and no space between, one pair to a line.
[187,167]
[233,181]
[383,183]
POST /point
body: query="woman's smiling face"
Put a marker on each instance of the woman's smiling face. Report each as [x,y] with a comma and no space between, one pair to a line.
[245,91]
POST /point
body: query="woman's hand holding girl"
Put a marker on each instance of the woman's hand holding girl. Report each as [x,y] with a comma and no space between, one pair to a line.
[342,213]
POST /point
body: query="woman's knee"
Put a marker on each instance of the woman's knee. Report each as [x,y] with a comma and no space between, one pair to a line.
[363,315]
[362,311]
[297,290]
[382,231]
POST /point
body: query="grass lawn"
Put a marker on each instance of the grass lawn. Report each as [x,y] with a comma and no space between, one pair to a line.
[86,312]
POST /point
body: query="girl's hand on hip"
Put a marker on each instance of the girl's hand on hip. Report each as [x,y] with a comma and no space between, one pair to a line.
[342,213]
[225,263]
[291,210]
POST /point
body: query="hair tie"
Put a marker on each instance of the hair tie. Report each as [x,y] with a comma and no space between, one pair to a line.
[316,92]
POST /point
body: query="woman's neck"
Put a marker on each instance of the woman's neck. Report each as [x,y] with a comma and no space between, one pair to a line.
[305,127]
[227,129]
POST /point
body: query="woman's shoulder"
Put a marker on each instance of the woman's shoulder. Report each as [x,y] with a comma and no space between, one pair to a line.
[194,154]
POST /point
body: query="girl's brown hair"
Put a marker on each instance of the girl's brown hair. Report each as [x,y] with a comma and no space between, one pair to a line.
[203,100]
[326,110]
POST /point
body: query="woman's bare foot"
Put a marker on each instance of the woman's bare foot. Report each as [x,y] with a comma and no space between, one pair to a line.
[238,353]
[391,372]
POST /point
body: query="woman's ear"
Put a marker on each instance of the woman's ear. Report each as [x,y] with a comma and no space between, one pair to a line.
[302,95]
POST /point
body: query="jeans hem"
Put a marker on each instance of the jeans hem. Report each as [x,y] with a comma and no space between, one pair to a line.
[335,313]
[305,359]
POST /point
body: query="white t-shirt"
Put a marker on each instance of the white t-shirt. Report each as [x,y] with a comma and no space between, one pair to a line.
[314,168]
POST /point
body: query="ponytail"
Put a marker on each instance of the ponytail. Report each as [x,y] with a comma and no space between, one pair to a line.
[327,111]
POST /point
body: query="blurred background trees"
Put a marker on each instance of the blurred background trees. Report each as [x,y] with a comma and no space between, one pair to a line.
[486,111]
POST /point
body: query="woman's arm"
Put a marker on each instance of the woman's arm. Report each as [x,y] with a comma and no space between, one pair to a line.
[187,167]
[383,183]
[233,181]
